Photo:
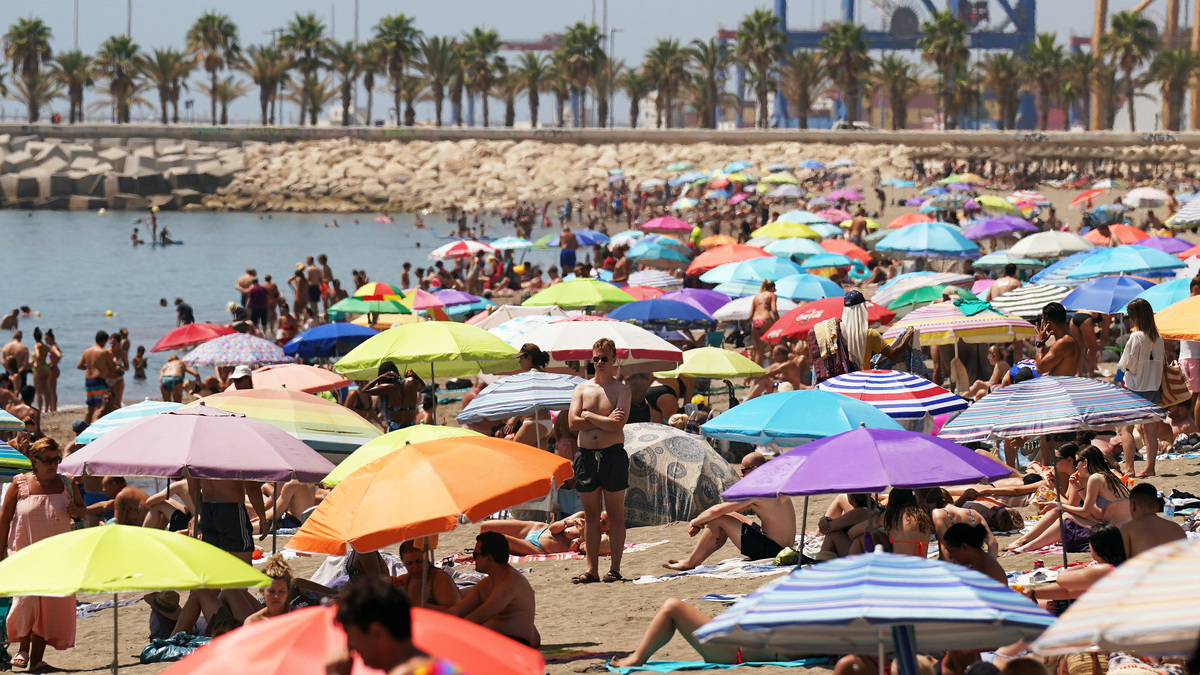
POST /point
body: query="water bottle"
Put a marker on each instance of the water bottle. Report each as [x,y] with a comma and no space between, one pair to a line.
[1169,508]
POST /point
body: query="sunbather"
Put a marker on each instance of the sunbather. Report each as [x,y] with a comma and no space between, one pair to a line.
[527,537]
[844,513]
[676,616]
[1108,552]
[1096,495]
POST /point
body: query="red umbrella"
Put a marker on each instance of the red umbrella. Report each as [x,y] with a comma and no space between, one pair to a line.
[190,335]
[1085,198]
[909,219]
[300,642]
[1127,234]
[1195,250]
[796,323]
[715,257]
[847,249]
[643,292]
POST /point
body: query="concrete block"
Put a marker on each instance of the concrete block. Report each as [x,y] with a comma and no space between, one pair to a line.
[107,143]
[101,168]
[146,144]
[114,156]
[86,183]
[61,184]
[19,142]
[54,203]
[184,198]
[17,188]
[126,184]
[142,150]
[5,139]
[152,184]
[16,162]
[171,148]
[52,151]
[36,147]
[84,163]
[84,203]
[183,179]
[164,162]
[77,150]
[128,202]
[53,164]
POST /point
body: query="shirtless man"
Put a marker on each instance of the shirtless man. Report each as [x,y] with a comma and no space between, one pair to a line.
[567,243]
[120,351]
[170,509]
[19,354]
[1008,281]
[98,366]
[1146,529]
[23,408]
[503,601]
[315,278]
[724,522]
[171,377]
[127,502]
[1064,356]
[327,277]
[287,508]
[623,267]
[11,321]
[858,226]
[243,284]
[598,411]
[224,522]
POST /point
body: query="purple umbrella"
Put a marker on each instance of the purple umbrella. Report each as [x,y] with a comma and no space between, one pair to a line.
[200,443]
[998,226]
[913,201]
[961,187]
[702,299]
[452,297]
[1166,244]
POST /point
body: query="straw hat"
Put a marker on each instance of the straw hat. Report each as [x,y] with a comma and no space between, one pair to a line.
[165,603]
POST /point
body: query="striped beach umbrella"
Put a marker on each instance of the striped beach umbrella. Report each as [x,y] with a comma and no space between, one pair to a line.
[460,249]
[1050,405]
[738,309]
[12,462]
[9,422]
[851,605]
[514,330]
[1148,605]
[520,394]
[123,416]
[1187,216]
[1028,301]
[897,394]
[1030,197]
[654,279]
[945,324]
[238,349]
[1000,259]
[906,282]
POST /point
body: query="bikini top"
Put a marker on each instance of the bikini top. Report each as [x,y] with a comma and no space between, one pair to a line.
[951,517]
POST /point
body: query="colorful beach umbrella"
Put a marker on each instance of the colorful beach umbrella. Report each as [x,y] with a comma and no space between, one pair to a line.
[1172,245]
[659,313]
[834,215]
[1052,244]
[952,201]
[906,282]
[122,416]
[800,217]
[812,165]
[929,240]
[1107,214]
[1187,216]
[1029,196]
[1085,198]
[782,229]
[341,308]
[1000,259]
[581,294]
[391,443]
[754,269]
[1125,260]
[715,240]
[793,248]
[190,335]
[10,422]
[1127,234]
[1180,321]
[714,363]
[519,395]
[1056,273]
[13,462]
[920,297]
[897,394]
[642,292]
[657,255]
[824,260]
[296,377]
[848,195]
[791,417]
[796,323]
[511,244]
[1027,301]
[807,287]
[738,289]
[328,339]
[378,291]
[432,348]
[460,249]
[944,324]
[238,349]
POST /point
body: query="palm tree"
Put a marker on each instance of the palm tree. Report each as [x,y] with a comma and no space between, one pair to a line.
[267,67]
[1080,70]
[1043,71]
[438,61]
[711,60]
[965,87]
[227,91]
[73,70]
[555,82]
[1130,41]
[636,84]
[36,92]
[343,60]
[27,47]
[311,94]
[164,68]
[117,61]
[1002,73]
[213,41]
[897,79]
[802,78]
[665,64]
[943,43]
[580,56]
[412,88]
[397,39]
[1109,86]
[371,60]
[479,64]
[531,72]
[303,39]
[1172,70]
[847,62]
[507,88]
[760,46]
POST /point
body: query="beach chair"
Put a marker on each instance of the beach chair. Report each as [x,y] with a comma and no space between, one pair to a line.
[714,338]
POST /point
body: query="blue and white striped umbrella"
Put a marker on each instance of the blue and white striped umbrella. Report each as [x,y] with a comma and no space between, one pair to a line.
[521,394]
[1056,274]
[851,605]
[516,329]
[655,278]
[897,394]
[122,416]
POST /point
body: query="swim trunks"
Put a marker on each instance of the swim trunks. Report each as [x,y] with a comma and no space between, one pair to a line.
[1075,537]
[566,260]
[597,468]
[226,526]
[169,382]
[314,293]
[179,521]
[93,389]
[756,545]
[535,539]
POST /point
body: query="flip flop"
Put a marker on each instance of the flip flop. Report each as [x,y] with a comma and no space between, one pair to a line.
[612,576]
[20,660]
[585,578]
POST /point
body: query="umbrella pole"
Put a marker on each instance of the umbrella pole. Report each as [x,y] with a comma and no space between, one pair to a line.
[116,607]
[433,385]
[880,654]
[275,518]
[803,532]
[1062,531]
[428,560]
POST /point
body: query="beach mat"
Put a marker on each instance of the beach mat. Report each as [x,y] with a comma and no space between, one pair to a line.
[672,666]
[736,568]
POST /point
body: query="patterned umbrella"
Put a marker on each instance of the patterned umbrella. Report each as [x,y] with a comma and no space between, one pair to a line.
[899,395]
[655,278]
[238,349]
[378,291]
[1050,405]
[797,322]
[520,394]
[1027,301]
[123,416]
[1035,198]
[1188,216]
[673,475]
[515,330]
[945,324]
[460,249]
[949,202]
[906,282]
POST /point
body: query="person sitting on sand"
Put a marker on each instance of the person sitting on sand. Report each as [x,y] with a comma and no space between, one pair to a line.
[1146,529]
[440,591]
[170,509]
[676,616]
[504,601]
[287,509]
[126,502]
[1096,495]
[1108,552]
[846,511]
[724,522]
[223,610]
[277,596]
[998,357]
[944,514]
[527,537]
[963,544]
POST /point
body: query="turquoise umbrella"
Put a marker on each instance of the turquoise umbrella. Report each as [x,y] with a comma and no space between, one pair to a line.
[929,240]
[1124,260]
[755,269]
[794,247]
[1166,294]
[791,417]
[807,287]
[826,260]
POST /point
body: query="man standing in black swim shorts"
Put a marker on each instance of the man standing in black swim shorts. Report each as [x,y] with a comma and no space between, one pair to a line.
[599,408]
[224,522]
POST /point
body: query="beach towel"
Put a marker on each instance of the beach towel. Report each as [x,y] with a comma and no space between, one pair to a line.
[736,568]
[672,666]
[86,610]
[724,598]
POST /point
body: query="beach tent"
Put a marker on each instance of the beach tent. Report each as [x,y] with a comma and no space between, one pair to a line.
[673,475]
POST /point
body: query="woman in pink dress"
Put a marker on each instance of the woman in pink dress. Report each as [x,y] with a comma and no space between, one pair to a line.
[38,505]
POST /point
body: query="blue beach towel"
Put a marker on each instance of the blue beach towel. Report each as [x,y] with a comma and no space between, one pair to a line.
[672,666]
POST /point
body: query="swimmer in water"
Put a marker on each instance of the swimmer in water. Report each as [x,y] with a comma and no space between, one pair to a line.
[134,239]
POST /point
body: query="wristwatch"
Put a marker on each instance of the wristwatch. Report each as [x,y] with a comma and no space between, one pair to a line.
[1039,344]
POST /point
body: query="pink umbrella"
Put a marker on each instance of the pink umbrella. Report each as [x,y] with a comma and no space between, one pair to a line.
[848,195]
[833,215]
[572,340]
[981,285]
[200,442]
[738,198]
[667,225]
[460,249]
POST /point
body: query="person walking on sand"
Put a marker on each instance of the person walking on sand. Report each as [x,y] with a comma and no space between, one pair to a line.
[98,366]
[567,243]
[599,408]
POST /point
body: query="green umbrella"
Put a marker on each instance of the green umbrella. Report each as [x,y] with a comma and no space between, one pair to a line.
[543,243]
[353,305]
[120,558]
[581,294]
[679,166]
[919,297]
[715,363]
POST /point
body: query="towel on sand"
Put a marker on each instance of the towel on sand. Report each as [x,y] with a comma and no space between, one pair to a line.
[736,568]
[672,666]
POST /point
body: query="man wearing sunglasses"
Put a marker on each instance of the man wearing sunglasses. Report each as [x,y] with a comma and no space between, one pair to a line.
[599,408]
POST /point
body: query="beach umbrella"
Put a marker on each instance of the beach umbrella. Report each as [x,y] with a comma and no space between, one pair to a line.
[1162,296]
[432,348]
[1127,234]
[961,187]
[797,322]
[811,165]
[237,349]
[878,601]
[1107,214]
[802,217]
[824,260]
[1035,198]
[1148,605]
[522,394]
[707,301]
[826,230]
[573,340]
[511,243]
[714,363]
[327,339]
[296,377]
[498,315]
[945,324]
[667,225]
[1056,273]
[1170,245]
[651,183]
[390,443]
[679,166]
[842,162]
[629,237]
[117,559]
[949,202]
[784,192]
[872,224]
[1027,301]
[13,462]
[909,219]
[999,259]
[1180,321]
[584,237]
[668,241]
[190,335]
[673,475]
[791,417]
[659,313]
[998,226]
[656,254]
[1145,198]
[642,292]
[898,394]
[929,240]
[906,282]
[472,476]
[715,240]
[754,269]
[1085,198]
[300,642]
[353,305]
[723,255]
[654,278]
[378,291]
[582,294]
[998,206]
[120,417]
[780,177]
[460,249]
[793,248]
[927,294]
[848,195]
[1052,244]
[914,201]
[739,165]
[1125,260]
[776,167]
[782,229]
[834,215]
[1109,183]
[10,422]
[1187,216]
[739,308]
[807,287]
[717,194]
[514,331]
[683,204]
[935,191]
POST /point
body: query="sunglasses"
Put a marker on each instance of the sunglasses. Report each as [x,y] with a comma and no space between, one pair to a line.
[49,460]
[601,359]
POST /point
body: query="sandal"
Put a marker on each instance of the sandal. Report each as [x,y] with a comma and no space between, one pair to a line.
[20,660]
[585,578]
[612,576]
[41,667]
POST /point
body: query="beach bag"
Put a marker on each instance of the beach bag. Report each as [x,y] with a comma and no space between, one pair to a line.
[176,647]
[1174,386]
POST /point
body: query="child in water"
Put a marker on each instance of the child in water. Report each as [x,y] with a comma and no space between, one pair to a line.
[139,363]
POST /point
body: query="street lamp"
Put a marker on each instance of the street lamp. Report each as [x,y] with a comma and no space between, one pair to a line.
[612,76]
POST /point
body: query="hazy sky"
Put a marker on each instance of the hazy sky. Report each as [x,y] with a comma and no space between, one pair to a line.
[162,23]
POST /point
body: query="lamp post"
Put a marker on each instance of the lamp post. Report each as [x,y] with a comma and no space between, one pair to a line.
[612,76]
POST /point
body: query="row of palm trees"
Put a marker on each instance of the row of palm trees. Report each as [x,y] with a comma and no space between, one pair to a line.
[304,66]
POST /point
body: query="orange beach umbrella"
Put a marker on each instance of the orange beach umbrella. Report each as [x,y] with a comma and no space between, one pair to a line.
[909,219]
[715,257]
[1180,321]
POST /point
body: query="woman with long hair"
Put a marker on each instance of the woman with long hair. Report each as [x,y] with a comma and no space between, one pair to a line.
[1142,362]
[907,524]
[764,312]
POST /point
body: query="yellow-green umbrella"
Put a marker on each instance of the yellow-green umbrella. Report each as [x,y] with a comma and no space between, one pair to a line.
[997,206]
[581,294]
[440,348]
[390,443]
[120,558]
[713,362]
[782,229]
[781,178]
[872,224]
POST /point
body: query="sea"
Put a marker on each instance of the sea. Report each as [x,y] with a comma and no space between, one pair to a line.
[70,268]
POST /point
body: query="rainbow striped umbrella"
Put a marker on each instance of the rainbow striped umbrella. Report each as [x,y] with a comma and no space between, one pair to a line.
[9,422]
[897,394]
[906,282]
[945,324]
[1050,405]
[330,429]
[123,416]
[12,462]
[237,350]
[1147,605]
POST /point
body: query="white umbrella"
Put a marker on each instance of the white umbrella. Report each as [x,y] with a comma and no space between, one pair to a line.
[1145,197]
[1028,301]
[1052,244]
[503,313]
[572,340]
[739,310]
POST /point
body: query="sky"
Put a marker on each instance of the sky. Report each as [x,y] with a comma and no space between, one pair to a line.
[163,23]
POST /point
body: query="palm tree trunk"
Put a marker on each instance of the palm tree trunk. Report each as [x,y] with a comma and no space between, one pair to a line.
[346,104]
[533,108]
[803,103]
[212,93]
[763,90]
[582,121]
[484,98]
[224,113]
[1129,97]
[1087,111]
[164,98]
[560,103]
[711,95]
[633,112]
[370,97]
[396,98]
[851,94]
[510,111]
[264,102]
[1044,111]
